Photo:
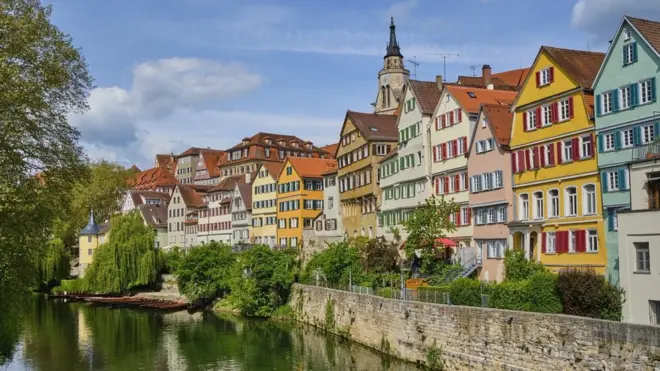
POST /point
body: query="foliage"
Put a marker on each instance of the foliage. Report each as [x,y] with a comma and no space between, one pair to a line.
[283,312]
[466,291]
[330,314]
[262,279]
[43,79]
[536,294]
[379,256]
[55,265]
[443,273]
[427,223]
[128,260]
[70,286]
[434,360]
[586,293]
[386,292]
[338,263]
[205,272]
[517,267]
[172,260]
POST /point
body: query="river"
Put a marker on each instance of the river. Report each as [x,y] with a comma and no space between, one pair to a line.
[76,337]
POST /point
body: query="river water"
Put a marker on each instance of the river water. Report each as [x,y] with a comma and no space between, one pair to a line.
[75,337]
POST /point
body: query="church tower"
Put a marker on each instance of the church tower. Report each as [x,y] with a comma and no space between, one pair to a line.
[392,78]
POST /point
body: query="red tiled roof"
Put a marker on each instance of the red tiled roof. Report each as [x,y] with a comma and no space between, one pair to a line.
[389,155]
[374,126]
[427,94]
[273,168]
[192,151]
[462,94]
[155,177]
[134,169]
[257,143]
[166,161]
[650,30]
[581,65]
[246,194]
[137,195]
[211,159]
[311,167]
[331,149]
[500,119]
[506,80]
[589,102]
[192,194]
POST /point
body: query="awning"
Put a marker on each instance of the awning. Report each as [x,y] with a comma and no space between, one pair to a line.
[446,242]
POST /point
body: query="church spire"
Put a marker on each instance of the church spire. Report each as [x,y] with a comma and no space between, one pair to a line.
[91,228]
[393,46]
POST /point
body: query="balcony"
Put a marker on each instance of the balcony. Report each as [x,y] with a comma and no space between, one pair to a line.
[647,152]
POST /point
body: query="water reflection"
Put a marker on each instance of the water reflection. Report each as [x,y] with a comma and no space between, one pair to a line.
[76,337]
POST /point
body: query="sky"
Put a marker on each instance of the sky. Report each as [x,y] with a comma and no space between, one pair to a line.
[171,74]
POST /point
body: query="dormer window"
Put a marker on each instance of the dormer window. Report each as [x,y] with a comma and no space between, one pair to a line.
[471,95]
[268,141]
[626,35]
[294,144]
[282,143]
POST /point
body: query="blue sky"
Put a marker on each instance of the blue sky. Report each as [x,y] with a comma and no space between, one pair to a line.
[171,74]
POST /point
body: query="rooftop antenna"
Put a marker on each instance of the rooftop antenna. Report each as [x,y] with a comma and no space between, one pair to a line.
[444,62]
[473,67]
[414,62]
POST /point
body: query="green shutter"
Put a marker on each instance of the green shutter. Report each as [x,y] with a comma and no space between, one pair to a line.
[634,52]
[610,220]
[601,145]
[603,181]
[653,89]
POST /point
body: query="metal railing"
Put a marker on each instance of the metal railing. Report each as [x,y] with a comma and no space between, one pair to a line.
[646,152]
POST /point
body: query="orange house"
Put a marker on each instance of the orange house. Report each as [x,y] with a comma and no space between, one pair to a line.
[299,197]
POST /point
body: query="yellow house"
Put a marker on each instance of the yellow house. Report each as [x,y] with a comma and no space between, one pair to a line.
[558,214]
[264,208]
[299,197]
[365,139]
[89,239]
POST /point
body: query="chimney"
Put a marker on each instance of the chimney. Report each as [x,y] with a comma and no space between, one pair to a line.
[485,74]
[438,81]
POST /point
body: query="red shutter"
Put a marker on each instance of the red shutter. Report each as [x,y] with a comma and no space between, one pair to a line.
[543,239]
[536,157]
[538,78]
[538,117]
[593,143]
[576,149]
[514,165]
[446,190]
[560,159]
[444,150]
[570,107]
[456,183]
[437,186]
[551,74]
[435,153]
[542,152]
[551,155]
[554,117]
[528,162]
[437,123]
[460,115]
[444,121]
[581,241]
[469,216]
[524,123]
[465,145]
[451,117]
[521,161]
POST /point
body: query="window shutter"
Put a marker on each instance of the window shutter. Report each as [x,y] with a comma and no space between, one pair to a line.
[551,155]
[560,157]
[460,115]
[437,186]
[451,117]
[581,240]
[637,135]
[615,100]
[456,183]
[598,105]
[437,123]
[444,150]
[634,52]
[528,162]
[652,89]
[469,216]
[521,161]
[543,241]
[435,154]
[389,147]
[593,143]
[633,95]
[455,145]
[471,184]
[538,79]
[444,121]
[514,167]
[446,190]
[536,153]
[601,145]
[622,179]
[538,117]
[657,130]
[551,74]
[603,181]
[542,151]
[576,149]
[610,220]
[373,150]
[465,146]
[524,123]
[618,136]
[570,107]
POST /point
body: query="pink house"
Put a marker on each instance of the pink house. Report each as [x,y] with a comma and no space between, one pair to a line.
[491,194]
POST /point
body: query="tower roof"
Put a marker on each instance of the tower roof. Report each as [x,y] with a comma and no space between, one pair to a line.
[393,49]
[91,228]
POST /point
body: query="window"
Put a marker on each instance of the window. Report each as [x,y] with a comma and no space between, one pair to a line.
[567,153]
[331,202]
[553,208]
[629,53]
[89,239]
[490,213]
[546,115]
[589,199]
[648,133]
[550,243]
[450,149]
[645,91]
[90,251]
[627,136]
[523,212]
[606,102]
[538,205]
[626,35]
[572,241]
[592,240]
[571,201]
[608,142]
[465,216]
[498,179]
[293,222]
[381,150]
[501,214]
[654,312]
[642,257]
[531,119]
[624,99]
[289,170]
[564,110]
[586,147]
[544,77]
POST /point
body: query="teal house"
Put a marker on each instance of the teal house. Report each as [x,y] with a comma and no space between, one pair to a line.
[627,117]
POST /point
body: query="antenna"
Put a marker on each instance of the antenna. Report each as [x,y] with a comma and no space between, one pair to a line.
[473,67]
[415,64]
[444,62]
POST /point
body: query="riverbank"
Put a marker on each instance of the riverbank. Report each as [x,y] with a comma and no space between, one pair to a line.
[469,338]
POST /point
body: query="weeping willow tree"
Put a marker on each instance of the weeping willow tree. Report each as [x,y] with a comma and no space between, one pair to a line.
[55,265]
[128,260]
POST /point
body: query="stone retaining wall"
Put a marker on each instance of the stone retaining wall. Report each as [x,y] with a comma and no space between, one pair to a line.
[467,338]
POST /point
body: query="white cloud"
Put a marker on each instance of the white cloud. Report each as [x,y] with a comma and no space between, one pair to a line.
[601,17]
[401,10]
[168,108]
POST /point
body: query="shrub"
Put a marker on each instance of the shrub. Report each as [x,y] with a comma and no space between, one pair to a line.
[543,293]
[172,260]
[586,293]
[465,291]
[518,268]
[205,272]
[511,295]
[337,263]
[70,286]
[385,292]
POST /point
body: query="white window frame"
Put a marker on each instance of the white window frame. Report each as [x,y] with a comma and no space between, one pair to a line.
[568,210]
[564,110]
[586,147]
[592,240]
[613,181]
[645,91]
[497,176]
[628,54]
[546,115]
[544,77]
[538,205]
[648,133]
[500,214]
[450,151]
[567,151]
[553,203]
[627,138]
[550,243]
[606,102]
[608,142]
[531,120]
[624,97]
[523,206]
[572,241]
[644,264]
[586,198]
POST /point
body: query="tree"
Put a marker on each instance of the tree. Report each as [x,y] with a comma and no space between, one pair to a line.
[129,259]
[43,79]
[427,223]
[55,265]
[380,256]
[336,263]
[205,272]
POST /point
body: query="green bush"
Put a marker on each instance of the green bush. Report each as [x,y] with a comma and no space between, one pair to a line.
[518,268]
[510,295]
[172,260]
[70,286]
[385,292]
[466,291]
[337,263]
[543,293]
[205,272]
[588,294]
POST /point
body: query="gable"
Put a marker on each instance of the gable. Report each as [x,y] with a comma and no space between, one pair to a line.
[562,81]
[473,135]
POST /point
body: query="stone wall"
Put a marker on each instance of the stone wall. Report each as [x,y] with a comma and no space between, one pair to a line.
[466,338]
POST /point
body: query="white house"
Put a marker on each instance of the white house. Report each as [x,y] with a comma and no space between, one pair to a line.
[214,222]
[241,213]
[134,198]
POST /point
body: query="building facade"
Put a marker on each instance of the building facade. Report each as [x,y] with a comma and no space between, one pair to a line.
[89,239]
[155,216]
[134,198]
[207,171]
[627,115]
[186,165]
[215,217]
[185,200]
[491,194]
[328,226]
[404,172]
[558,218]
[264,204]
[241,213]
[365,138]
[299,197]
[392,78]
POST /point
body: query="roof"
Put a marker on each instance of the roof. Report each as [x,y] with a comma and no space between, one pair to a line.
[228,183]
[330,148]
[154,215]
[192,151]
[257,144]
[480,96]
[500,119]
[389,155]
[273,168]
[137,196]
[331,171]
[155,177]
[245,191]
[211,159]
[506,80]
[581,65]
[374,126]
[427,94]
[650,30]
[261,137]
[311,167]
[134,169]
[191,194]
[91,229]
[226,200]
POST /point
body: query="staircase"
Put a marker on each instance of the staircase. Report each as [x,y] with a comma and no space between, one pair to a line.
[470,262]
